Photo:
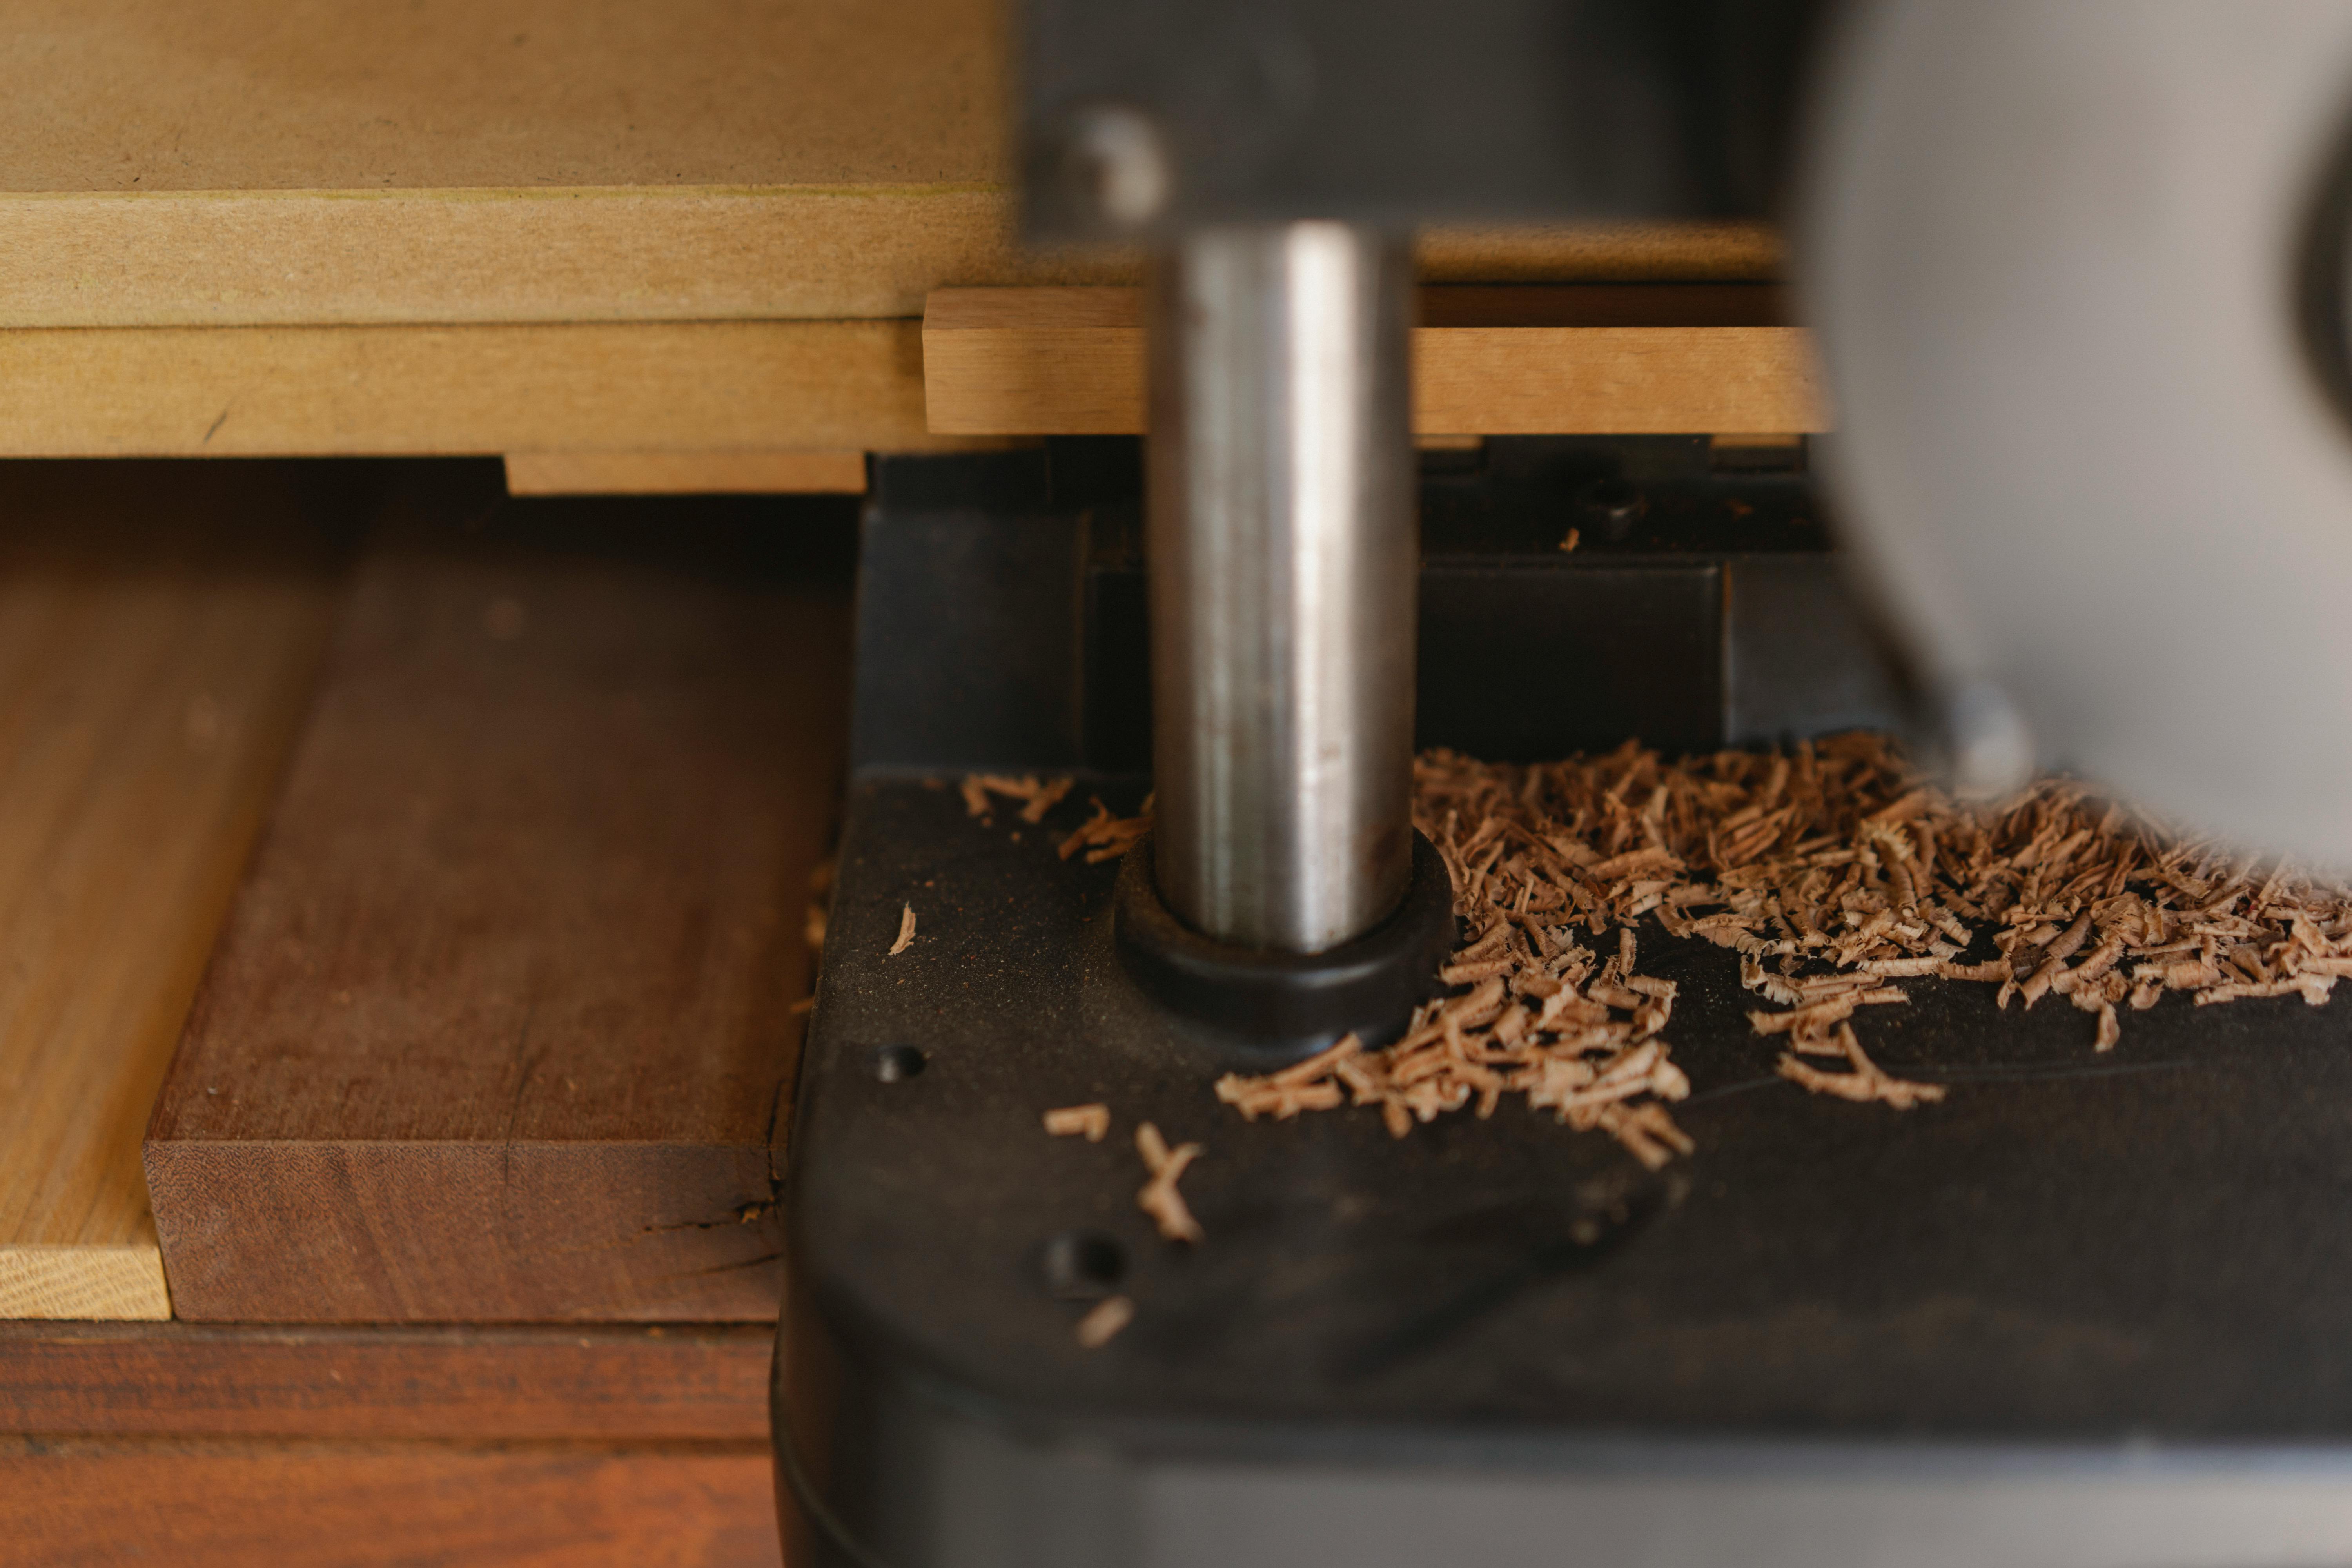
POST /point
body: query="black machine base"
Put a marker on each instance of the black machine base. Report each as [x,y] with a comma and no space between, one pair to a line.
[1281,1006]
[2091,1310]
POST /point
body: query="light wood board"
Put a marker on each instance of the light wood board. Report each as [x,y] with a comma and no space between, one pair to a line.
[1568,360]
[315,162]
[160,627]
[685,473]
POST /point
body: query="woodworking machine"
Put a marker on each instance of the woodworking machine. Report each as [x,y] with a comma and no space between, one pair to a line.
[2079,273]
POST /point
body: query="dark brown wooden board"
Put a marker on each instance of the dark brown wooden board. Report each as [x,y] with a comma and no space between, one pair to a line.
[99,1502]
[590,1383]
[500,1027]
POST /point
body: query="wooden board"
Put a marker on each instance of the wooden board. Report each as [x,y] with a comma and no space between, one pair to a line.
[160,627]
[321,391]
[498,1028]
[389,257]
[93,1503]
[685,473]
[561,161]
[144,95]
[698,387]
[596,1382]
[1571,360]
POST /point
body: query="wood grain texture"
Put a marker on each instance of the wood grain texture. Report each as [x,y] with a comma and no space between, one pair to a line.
[143,95]
[519,253]
[341,391]
[96,1503]
[1572,360]
[498,1028]
[160,629]
[526,254]
[120,1281]
[685,473]
[258,163]
[671,1383]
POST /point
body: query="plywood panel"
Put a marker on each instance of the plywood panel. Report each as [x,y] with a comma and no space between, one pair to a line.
[1569,360]
[310,163]
[500,1027]
[144,95]
[160,627]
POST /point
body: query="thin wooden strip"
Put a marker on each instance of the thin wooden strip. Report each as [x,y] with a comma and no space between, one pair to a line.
[1616,381]
[224,1504]
[1648,360]
[685,473]
[505,1384]
[488,390]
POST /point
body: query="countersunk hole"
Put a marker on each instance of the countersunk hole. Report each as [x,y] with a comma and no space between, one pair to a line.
[896,1064]
[1083,1265]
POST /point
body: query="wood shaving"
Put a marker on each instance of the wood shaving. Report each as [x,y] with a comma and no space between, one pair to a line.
[1102,1324]
[1091,1123]
[1866,1082]
[905,931]
[1105,837]
[820,905]
[1037,796]
[1838,877]
[1159,1199]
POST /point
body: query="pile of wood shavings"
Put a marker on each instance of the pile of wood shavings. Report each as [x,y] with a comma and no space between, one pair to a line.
[1836,876]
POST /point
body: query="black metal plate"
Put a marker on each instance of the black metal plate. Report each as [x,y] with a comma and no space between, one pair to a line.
[2154,1243]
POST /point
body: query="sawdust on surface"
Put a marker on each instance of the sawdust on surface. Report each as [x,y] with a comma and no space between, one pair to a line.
[1838,877]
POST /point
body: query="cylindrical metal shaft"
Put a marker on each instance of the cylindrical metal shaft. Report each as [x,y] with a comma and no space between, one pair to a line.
[1283,560]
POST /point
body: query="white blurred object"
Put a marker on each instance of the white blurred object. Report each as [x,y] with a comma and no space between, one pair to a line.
[2056,253]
